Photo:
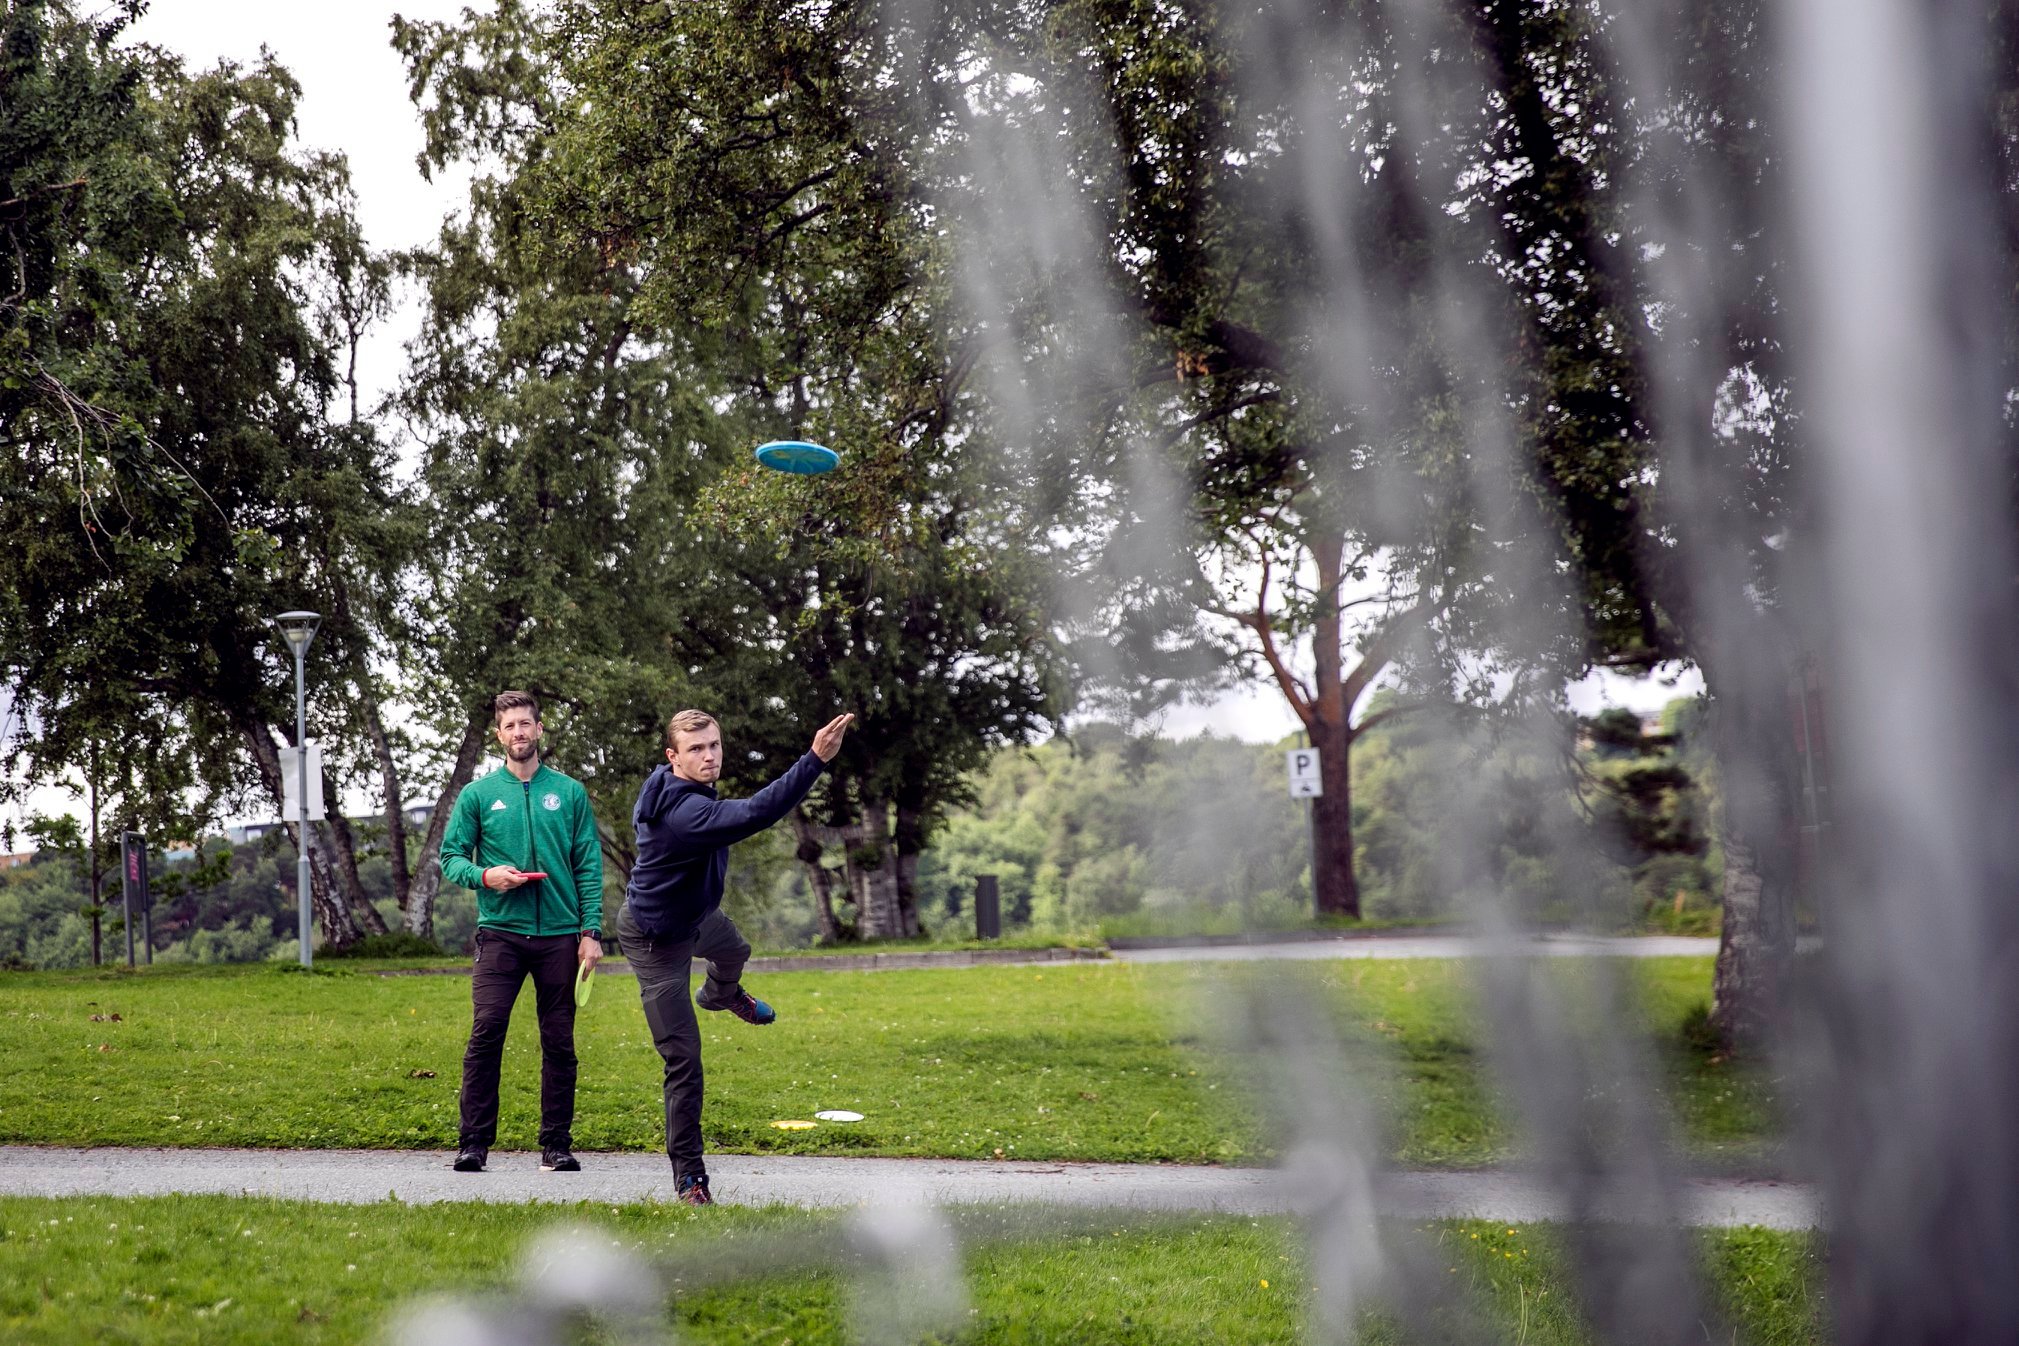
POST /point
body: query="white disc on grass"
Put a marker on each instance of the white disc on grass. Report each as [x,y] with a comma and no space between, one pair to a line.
[838,1115]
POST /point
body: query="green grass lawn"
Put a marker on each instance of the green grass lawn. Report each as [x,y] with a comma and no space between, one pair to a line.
[1015,939]
[222,1270]
[1021,939]
[1099,1061]
[1185,921]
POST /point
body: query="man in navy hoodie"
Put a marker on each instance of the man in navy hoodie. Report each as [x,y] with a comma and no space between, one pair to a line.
[673,910]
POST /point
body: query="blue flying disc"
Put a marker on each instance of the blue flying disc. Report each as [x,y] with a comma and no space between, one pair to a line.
[797,456]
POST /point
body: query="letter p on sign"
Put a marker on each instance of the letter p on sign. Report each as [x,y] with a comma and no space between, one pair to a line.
[1304,783]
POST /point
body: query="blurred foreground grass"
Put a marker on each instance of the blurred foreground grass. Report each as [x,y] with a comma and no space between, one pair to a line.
[222,1270]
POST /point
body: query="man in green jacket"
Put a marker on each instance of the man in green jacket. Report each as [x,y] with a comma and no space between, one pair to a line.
[525,839]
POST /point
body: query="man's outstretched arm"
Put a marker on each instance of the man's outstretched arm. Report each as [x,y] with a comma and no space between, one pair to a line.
[703,824]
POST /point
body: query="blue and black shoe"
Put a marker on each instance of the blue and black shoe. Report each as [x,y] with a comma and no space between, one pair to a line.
[740,1003]
[693,1190]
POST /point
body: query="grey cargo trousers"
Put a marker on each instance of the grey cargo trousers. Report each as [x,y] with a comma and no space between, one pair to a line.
[664,971]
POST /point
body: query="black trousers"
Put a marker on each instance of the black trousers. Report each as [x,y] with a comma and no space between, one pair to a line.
[664,970]
[503,962]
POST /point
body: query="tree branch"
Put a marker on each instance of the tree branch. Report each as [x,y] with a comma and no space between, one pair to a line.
[786,226]
[811,180]
[1258,621]
[1387,713]
[1221,413]
[49,190]
[1384,646]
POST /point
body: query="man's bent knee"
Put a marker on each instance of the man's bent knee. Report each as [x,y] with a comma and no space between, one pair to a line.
[488,1035]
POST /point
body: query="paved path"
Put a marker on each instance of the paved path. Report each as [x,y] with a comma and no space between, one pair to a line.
[1435,946]
[817,1181]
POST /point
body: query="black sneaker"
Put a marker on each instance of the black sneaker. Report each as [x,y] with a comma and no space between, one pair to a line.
[470,1159]
[559,1161]
[740,1003]
[693,1190]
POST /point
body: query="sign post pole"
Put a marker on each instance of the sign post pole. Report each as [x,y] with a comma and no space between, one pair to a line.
[299,628]
[146,900]
[1305,784]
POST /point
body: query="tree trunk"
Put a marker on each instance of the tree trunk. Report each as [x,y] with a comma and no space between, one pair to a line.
[427,881]
[344,846]
[342,843]
[620,853]
[389,787]
[910,839]
[808,853]
[339,927]
[332,916]
[872,868]
[1335,888]
[1756,949]
[1760,832]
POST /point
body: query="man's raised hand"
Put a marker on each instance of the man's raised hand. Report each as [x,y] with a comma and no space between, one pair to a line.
[827,742]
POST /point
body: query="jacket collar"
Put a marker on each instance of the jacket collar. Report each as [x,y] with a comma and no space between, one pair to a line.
[661,788]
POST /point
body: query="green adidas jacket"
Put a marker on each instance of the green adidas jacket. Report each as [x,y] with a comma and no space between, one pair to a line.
[543,825]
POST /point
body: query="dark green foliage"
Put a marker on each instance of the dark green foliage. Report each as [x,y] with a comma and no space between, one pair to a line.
[707,244]
[177,278]
[225,905]
[1650,798]
[1615,731]
[222,904]
[398,944]
[1080,833]
[1136,834]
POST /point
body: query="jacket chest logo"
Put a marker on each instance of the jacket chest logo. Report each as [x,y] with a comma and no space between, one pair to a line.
[497,806]
[550,802]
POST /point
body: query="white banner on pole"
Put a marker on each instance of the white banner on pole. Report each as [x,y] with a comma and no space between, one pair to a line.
[1304,782]
[290,780]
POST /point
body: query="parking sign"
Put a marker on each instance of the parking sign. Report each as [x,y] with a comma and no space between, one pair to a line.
[1304,782]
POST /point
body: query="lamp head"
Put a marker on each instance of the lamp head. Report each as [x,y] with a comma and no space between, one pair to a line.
[298,628]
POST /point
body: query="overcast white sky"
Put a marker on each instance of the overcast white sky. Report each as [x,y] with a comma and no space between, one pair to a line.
[354,99]
[354,95]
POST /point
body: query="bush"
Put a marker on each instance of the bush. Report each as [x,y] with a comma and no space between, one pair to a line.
[1697,1032]
[246,941]
[399,944]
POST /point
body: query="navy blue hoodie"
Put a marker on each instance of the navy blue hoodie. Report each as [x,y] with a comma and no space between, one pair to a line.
[684,836]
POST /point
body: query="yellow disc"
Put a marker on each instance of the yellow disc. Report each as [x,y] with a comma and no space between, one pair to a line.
[795,1125]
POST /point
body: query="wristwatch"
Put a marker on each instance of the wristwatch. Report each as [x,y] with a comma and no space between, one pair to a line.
[596,935]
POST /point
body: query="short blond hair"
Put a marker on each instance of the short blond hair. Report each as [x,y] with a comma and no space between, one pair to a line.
[687,722]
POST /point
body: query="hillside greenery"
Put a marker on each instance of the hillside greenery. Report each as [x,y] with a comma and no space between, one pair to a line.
[1099,832]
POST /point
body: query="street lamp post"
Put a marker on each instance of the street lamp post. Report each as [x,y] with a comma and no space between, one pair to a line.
[299,629]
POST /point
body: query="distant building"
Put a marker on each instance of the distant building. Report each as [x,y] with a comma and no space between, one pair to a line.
[16,860]
[417,814]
